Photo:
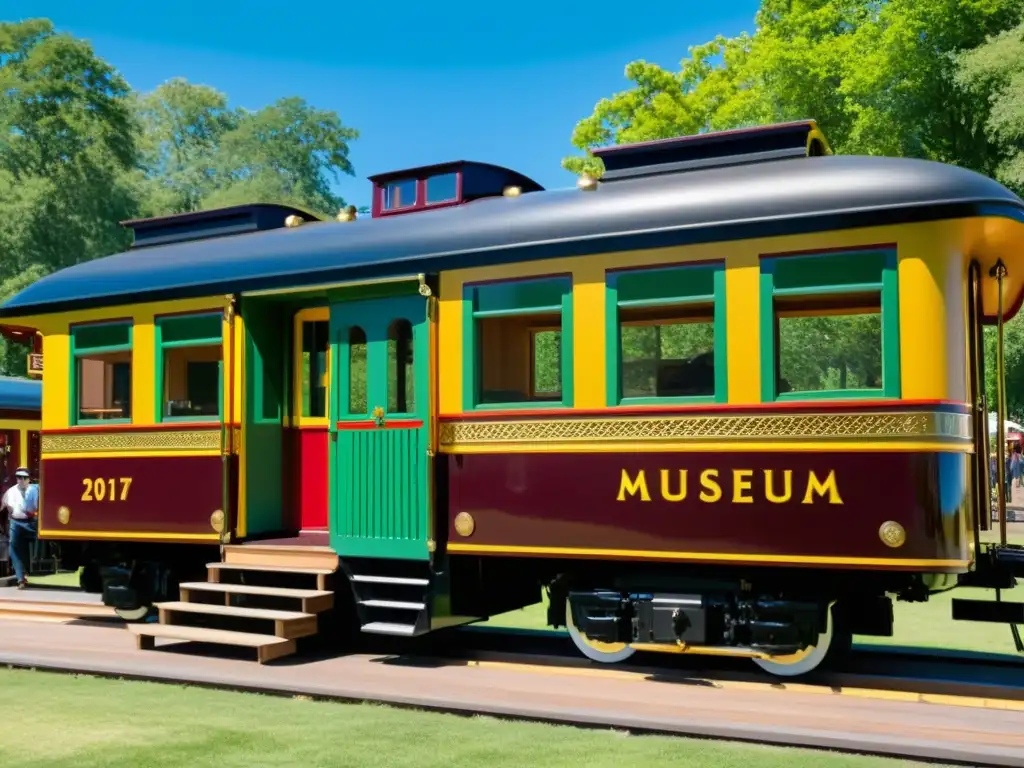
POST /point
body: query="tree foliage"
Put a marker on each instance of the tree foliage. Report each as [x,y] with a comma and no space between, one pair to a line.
[935,79]
[196,153]
[878,76]
[994,73]
[80,152]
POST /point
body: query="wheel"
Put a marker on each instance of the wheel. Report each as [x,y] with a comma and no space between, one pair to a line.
[605,653]
[133,615]
[830,644]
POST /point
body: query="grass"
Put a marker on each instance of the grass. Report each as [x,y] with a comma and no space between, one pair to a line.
[120,723]
[60,579]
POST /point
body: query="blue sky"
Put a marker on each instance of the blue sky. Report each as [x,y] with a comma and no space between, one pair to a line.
[501,83]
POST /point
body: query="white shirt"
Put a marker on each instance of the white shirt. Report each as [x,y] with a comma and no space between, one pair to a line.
[16,501]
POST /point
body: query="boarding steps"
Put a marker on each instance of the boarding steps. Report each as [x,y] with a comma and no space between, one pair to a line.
[392,596]
[264,597]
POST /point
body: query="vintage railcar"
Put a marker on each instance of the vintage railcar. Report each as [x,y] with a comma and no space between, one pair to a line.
[723,400]
[20,421]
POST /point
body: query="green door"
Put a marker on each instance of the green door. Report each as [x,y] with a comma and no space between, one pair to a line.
[379,478]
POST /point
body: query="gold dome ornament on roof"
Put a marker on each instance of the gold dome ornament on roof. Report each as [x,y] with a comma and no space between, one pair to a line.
[294,221]
[348,213]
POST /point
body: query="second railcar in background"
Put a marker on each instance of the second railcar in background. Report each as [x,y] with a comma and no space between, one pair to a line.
[723,400]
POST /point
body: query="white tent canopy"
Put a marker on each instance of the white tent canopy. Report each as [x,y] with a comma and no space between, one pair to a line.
[1009,427]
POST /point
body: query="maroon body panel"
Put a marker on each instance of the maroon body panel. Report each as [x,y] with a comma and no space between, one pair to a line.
[166,495]
[835,508]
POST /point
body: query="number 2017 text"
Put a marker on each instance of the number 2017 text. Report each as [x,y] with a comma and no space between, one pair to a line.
[105,489]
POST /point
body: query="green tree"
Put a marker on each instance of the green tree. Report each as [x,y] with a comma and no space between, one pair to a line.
[286,152]
[197,153]
[66,140]
[878,76]
[994,71]
[182,126]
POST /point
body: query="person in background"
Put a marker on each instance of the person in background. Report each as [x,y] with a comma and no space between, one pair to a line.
[22,504]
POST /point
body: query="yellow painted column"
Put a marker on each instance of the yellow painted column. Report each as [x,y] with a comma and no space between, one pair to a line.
[56,380]
[924,264]
[143,370]
[742,320]
[589,369]
[449,344]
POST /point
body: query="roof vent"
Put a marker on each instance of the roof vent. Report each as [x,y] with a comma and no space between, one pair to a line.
[712,150]
[219,222]
[438,186]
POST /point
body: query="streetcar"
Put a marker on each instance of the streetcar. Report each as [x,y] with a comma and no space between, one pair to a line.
[725,399]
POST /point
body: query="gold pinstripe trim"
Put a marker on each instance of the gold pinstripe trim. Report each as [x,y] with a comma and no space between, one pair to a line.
[136,441]
[914,426]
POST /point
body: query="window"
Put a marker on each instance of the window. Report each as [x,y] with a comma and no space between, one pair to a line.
[357,393]
[189,370]
[102,372]
[400,194]
[313,371]
[401,376]
[666,335]
[442,188]
[518,343]
[830,326]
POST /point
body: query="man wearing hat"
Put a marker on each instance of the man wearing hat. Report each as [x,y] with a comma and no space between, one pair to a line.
[22,503]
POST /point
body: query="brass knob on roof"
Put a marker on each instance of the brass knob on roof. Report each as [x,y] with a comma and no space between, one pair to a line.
[512,191]
[294,221]
[348,213]
[587,183]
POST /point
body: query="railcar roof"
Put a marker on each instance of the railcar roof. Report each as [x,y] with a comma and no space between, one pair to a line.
[20,394]
[725,203]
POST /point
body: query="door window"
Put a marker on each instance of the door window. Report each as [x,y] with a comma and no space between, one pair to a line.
[401,380]
[357,371]
[313,384]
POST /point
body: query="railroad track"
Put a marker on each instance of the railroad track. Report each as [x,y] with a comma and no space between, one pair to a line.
[913,672]
[888,675]
[919,674]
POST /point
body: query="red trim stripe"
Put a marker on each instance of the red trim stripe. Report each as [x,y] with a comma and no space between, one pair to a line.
[370,424]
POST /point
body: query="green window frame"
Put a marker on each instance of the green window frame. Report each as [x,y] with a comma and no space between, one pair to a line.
[100,338]
[519,297]
[831,276]
[676,287]
[200,329]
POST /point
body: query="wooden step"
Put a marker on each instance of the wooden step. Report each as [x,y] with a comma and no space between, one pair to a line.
[68,610]
[287,624]
[313,600]
[267,647]
[213,571]
[281,555]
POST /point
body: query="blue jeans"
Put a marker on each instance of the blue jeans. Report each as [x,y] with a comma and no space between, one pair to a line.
[23,533]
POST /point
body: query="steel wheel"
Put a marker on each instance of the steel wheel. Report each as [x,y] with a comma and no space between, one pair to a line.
[830,641]
[604,653]
[133,615]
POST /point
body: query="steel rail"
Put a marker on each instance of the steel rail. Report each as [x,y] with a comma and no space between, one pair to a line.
[238,681]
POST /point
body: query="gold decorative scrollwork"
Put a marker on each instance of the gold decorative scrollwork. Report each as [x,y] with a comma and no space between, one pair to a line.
[131,442]
[849,426]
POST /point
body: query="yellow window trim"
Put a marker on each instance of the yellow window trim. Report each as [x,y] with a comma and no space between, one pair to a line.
[308,315]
